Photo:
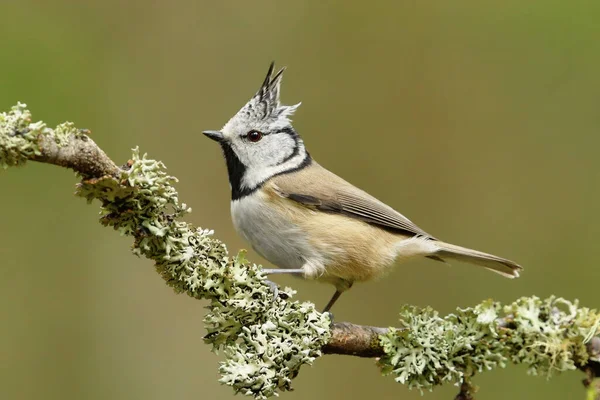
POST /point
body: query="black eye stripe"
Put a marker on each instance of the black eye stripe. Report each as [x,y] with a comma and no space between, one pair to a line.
[290,131]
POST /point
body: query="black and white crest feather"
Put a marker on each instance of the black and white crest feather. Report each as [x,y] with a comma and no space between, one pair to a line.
[265,104]
[269,91]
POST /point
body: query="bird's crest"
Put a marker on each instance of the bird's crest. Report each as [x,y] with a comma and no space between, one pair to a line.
[265,103]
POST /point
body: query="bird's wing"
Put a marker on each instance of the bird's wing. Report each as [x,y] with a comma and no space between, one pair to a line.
[320,189]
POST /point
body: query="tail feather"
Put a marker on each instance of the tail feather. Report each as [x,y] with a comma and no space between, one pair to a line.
[496,264]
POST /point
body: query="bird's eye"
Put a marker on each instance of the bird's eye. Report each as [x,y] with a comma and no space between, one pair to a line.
[254,136]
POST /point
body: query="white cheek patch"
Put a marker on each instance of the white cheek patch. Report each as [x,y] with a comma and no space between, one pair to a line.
[291,146]
[255,176]
[274,149]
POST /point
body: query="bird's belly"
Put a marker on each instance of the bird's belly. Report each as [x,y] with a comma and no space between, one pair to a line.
[273,236]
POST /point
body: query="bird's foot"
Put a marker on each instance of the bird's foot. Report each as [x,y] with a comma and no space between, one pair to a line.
[274,288]
[330,316]
[276,292]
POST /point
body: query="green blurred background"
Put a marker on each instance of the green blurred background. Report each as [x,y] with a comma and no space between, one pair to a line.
[478,120]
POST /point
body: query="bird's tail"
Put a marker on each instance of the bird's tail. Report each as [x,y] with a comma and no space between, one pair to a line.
[499,265]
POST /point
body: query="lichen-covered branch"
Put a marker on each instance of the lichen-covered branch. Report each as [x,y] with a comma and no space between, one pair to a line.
[65,146]
[549,336]
[266,339]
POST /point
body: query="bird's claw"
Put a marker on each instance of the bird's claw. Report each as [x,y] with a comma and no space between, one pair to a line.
[330,316]
[274,288]
[276,292]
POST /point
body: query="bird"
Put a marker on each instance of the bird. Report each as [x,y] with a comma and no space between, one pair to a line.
[306,220]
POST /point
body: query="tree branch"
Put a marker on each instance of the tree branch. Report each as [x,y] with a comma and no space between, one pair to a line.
[79,153]
[355,340]
[265,340]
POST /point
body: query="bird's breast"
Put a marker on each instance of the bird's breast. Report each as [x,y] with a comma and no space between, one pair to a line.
[271,231]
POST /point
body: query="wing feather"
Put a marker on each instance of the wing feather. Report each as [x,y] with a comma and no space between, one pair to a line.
[319,189]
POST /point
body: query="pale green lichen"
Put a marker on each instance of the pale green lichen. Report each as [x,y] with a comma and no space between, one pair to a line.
[17,136]
[64,131]
[548,336]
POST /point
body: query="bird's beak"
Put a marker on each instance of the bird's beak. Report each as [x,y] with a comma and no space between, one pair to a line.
[214,135]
